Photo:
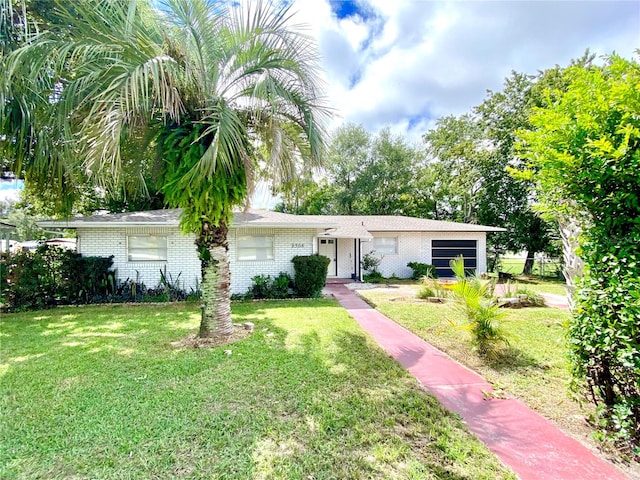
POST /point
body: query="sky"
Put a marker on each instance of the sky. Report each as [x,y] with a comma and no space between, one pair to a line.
[403,64]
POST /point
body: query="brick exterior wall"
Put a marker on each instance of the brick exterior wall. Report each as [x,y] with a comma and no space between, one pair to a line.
[416,247]
[181,253]
[182,257]
[287,244]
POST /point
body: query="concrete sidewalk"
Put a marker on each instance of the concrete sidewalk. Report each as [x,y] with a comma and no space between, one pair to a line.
[532,446]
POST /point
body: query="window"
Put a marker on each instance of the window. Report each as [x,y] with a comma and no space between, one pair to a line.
[146,248]
[255,248]
[386,245]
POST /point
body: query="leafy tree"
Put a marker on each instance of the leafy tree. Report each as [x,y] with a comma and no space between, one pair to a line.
[454,150]
[366,175]
[348,155]
[210,85]
[506,201]
[584,154]
[469,161]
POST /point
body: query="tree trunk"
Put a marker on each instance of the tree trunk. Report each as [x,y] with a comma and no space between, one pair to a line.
[573,264]
[528,263]
[216,281]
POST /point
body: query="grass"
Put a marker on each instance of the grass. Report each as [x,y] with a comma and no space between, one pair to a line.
[533,368]
[515,266]
[100,392]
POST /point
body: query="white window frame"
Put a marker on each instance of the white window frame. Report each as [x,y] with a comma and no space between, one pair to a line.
[140,253]
[267,248]
[381,246]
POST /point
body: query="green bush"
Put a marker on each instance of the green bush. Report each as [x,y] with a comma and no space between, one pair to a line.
[371,261]
[373,277]
[426,292]
[310,274]
[54,276]
[422,270]
[471,295]
[266,287]
[605,338]
[533,297]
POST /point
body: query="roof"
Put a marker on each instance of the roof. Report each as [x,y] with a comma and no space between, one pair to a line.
[171,218]
[4,226]
[399,223]
[337,226]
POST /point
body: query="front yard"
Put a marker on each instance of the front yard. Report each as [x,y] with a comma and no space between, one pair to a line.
[534,367]
[101,392]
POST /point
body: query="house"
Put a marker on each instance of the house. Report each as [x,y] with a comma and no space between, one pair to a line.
[264,242]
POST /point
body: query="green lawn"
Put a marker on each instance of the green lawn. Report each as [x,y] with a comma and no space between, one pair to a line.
[101,392]
[534,368]
[515,266]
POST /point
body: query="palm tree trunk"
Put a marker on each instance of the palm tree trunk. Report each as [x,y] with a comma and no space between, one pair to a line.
[216,281]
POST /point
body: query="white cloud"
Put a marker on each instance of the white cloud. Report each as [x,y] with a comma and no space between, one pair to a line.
[405,63]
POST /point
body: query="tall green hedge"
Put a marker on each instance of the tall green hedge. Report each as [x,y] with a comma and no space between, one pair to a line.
[54,276]
[310,274]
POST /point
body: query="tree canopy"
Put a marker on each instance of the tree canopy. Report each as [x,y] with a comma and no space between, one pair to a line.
[215,91]
[583,157]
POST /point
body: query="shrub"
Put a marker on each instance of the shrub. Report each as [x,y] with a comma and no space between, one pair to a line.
[310,274]
[471,295]
[426,292]
[534,298]
[280,285]
[260,287]
[53,276]
[371,262]
[605,343]
[422,270]
[373,277]
[266,287]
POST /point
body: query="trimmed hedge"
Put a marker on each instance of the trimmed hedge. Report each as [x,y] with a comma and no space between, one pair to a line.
[310,274]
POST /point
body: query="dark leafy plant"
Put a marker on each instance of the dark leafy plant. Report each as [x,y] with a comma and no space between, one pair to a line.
[54,276]
[371,261]
[310,274]
[422,270]
[270,288]
[281,285]
[261,287]
[373,277]
[171,287]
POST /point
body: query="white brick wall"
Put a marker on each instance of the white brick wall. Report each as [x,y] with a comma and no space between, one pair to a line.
[409,250]
[416,247]
[287,244]
[182,257]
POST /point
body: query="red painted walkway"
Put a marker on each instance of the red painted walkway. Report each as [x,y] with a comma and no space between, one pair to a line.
[532,446]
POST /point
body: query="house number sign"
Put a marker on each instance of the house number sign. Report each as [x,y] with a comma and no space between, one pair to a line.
[297,245]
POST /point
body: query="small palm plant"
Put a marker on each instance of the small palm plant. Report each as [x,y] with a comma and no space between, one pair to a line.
[473,297]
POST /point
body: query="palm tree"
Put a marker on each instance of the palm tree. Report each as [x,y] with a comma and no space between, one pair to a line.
[221,91]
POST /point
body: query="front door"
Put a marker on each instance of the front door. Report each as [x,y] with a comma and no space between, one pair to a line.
[327,247]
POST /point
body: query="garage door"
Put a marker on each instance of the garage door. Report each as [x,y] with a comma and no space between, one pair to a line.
[443,251]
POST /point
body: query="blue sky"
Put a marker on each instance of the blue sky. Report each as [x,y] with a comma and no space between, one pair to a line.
[405,63]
